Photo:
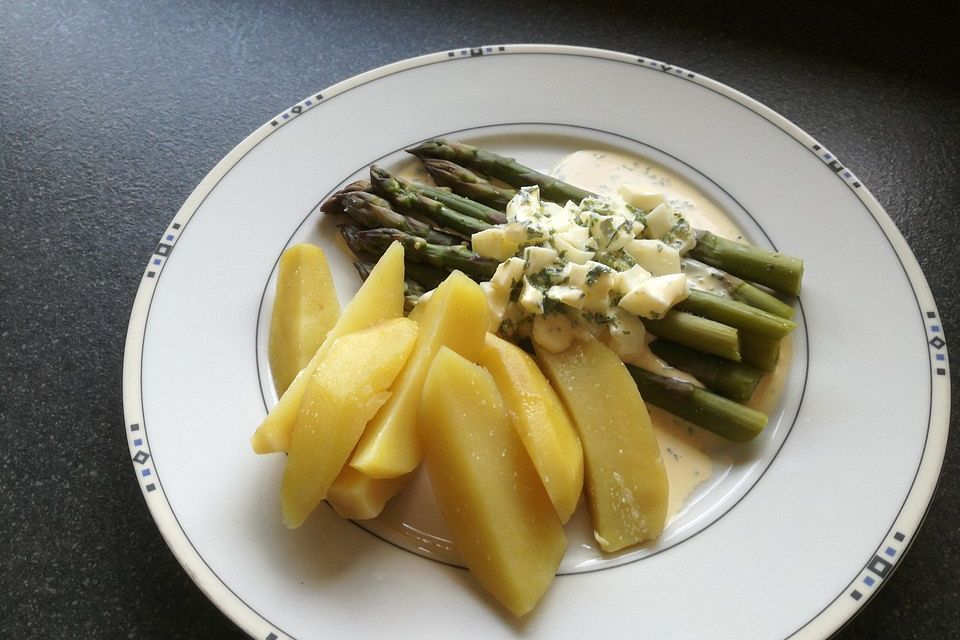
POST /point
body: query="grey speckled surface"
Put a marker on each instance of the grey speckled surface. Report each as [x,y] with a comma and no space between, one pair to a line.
[110,114]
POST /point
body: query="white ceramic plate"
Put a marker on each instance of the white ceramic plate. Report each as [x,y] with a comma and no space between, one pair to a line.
[795,535]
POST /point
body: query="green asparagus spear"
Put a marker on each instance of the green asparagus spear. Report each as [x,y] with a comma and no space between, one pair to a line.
[468,184]
[732,380]
[778,271]
[334,204]
[362,251]
[739,289]
[735,314]
[369,253]
[697,333]
[364,269]
[429,276]
[376,241]
[760,299]
[500,167]
[708,410]
[460,204]
[760,351]
[412,202]
[373,212]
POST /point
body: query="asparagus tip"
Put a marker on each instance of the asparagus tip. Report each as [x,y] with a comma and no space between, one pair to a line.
[427,147]
[334,204]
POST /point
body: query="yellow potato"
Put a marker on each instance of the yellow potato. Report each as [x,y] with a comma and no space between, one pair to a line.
[345,392]
[625,478]
[500,518]
[456,316]
[359,497]
[379,298]
[541,421]
[305,309]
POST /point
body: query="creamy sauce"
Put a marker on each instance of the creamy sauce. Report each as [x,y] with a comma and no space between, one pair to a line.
[604,171]
[683,447]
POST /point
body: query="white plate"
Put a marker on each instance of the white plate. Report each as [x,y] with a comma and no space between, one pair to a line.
[791,541]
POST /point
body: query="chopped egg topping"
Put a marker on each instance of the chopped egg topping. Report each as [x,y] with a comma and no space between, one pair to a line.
[596,267]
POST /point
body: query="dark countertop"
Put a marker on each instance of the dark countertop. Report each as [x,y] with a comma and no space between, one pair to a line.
[111,113]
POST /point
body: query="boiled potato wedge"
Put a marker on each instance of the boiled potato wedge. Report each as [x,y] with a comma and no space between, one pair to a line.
[304,311]
[501,520]
[456,317]
[541,421]
[379,298]
[346,391]
[626,481]
[358,497]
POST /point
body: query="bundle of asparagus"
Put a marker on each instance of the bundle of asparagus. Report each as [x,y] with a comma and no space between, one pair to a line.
[726,341]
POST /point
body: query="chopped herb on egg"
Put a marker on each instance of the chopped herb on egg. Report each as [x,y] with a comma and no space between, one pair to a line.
[587,267]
